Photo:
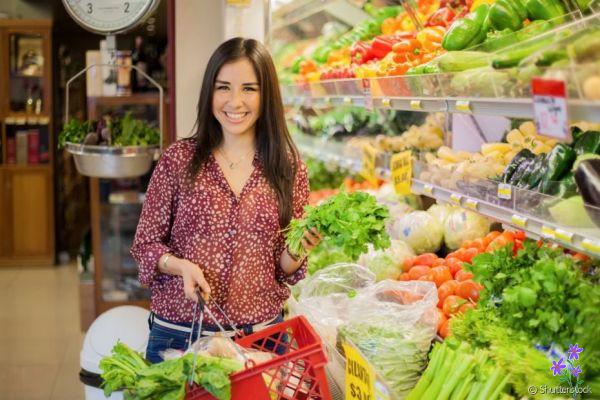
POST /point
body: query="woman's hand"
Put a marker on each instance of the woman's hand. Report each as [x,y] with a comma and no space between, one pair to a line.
[193,277]
[311,239]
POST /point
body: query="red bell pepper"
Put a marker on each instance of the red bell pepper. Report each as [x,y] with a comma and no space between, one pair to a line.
[361,52]
[381,46]
[442,17]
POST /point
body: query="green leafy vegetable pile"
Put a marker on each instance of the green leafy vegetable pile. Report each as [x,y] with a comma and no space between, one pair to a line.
[129,131]
[325,255]
[324,176]
[126,370]
[348,221]
[74,131]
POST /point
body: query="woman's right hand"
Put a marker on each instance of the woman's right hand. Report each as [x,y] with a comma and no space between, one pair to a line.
[193,277]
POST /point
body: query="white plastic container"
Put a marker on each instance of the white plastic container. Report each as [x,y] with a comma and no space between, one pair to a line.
[128,324]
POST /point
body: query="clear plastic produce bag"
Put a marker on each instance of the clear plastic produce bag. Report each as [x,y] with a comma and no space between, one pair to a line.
[393,324]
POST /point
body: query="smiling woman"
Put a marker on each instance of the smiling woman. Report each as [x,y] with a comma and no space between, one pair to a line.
[217,203]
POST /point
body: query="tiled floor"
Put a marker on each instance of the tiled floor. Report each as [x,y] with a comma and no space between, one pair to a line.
[40,338]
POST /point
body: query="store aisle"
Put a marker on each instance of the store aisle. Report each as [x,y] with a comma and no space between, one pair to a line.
[39,334]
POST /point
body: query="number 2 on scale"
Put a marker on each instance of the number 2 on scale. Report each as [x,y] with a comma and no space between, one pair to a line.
[356,393]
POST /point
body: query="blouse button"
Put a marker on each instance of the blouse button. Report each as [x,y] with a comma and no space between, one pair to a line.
[232,232]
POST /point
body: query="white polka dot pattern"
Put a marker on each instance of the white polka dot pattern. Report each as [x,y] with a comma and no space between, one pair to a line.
[236,241]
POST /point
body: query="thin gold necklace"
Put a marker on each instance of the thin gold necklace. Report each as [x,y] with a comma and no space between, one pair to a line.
[233,165]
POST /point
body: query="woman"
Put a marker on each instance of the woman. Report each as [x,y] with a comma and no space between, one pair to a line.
[217,203]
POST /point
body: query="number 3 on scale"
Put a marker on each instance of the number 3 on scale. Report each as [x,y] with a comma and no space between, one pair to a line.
[90,7]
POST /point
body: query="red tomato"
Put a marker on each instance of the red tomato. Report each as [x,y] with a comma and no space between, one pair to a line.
[465,307]
[444,330]
[519,235]
[492,235]
[452,303]
[442,319]
[468,254]
[463,275]
[426,259]
[408,263]
[417,271]
[446,289]
[404,277]
[426,278]
[468,290]
[438,262]
[454,264]
[441,275]
[496,244]
[479,244]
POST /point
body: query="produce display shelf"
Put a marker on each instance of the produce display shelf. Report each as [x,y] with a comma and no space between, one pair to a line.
[512,108]
[299,10]
[583,240]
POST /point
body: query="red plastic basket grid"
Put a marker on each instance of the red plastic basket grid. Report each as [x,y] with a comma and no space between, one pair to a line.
[298,374]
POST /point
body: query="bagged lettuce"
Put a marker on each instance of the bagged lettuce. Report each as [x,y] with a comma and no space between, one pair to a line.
[462,225]
[420,230]
[386,264]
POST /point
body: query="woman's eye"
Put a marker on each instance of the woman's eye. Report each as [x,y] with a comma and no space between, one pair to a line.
[250,89]
[222,87]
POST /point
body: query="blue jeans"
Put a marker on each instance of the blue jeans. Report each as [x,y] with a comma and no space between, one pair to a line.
[162,338]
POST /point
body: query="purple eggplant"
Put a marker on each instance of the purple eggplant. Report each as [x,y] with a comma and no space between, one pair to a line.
[587,177]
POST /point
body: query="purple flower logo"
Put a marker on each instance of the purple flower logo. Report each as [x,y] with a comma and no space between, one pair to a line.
[557,367]
[576,371]
[574,351]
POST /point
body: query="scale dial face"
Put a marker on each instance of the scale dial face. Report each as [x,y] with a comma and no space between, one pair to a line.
[109,16]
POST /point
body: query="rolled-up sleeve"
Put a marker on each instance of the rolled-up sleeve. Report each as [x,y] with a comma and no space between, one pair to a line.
[299,200]
[154,227]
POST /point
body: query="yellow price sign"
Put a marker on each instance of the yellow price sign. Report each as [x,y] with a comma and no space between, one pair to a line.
[360,377]
[401,167]
[368,163]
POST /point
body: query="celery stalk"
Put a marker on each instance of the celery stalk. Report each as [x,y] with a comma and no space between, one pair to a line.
[458,374]
[438,355]
[490,384]
[461,392]
[475,390]
[500,388]
[450,363]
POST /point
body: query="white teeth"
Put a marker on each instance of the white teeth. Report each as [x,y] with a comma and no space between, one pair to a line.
[235,116]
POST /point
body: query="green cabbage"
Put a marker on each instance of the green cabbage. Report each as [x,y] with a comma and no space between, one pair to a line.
[462,225]
[420,230]
[386,264]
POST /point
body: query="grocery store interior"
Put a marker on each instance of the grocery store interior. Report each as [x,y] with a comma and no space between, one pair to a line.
[453,158]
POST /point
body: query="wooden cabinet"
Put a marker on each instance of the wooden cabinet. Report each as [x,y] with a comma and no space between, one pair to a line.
[27,144]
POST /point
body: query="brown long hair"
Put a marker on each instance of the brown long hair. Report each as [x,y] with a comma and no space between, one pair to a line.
[275,147]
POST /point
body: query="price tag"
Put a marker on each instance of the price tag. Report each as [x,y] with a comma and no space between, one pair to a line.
[504,191]
[428,190]
[327,100]
[401,168]
[347,100]
[368,163]
[550,107]
[455,199]
[386,103]
[367,92]
[519,220]
[360,377]
[548,232]
[463,105]
[416,105]
[591,246]
[565,236]
[472,204]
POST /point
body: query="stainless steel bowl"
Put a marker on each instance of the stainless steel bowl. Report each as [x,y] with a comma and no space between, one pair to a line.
[112,162]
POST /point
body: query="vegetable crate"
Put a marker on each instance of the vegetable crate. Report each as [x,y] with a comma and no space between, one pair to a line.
[297,373]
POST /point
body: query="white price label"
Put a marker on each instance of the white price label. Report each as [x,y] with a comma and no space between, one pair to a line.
[504,191]
[386,103]
[455,198]
[428,190]
[548,232]
[463,106]
[416,105]
[518,220]
[550,107]
[565,236]
[472,204]
[591,246]
[347,100]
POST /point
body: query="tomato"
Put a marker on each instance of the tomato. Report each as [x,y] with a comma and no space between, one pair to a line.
[468,254]
[463,275]
[441,275]
[404,277]
[452,303]
[408,263]
[465,307]
[509,236]
[442,319]
[468,290]
[426,259]
[492,235]
[417,271]
[446,289]
[519,235]
[518,246]
[426,278]
[454,264]
[497,243]
[444,330]
[479,244]
[438,262]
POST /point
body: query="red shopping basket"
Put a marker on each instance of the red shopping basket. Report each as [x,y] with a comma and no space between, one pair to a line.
[297,374]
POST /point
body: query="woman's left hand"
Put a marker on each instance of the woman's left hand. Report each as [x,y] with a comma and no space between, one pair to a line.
[311,239]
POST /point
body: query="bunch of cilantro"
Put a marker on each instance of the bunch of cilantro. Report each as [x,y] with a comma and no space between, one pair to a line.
[347,221]
[541,293]
[126,370]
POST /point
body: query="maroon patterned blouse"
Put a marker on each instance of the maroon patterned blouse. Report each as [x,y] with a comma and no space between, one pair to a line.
[236,241]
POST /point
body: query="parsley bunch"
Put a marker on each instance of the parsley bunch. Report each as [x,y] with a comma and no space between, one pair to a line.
[348,221]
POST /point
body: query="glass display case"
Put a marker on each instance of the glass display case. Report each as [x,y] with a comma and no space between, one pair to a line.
[26,58]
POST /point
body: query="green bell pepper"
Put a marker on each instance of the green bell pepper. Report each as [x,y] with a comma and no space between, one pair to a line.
[468,31]
[544,9]
[321,54]
[576,133]
[566,187]
[296,64]
[560,159]
[504,15]
[589,142]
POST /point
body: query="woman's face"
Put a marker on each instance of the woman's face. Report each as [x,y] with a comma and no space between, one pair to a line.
[236,99]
